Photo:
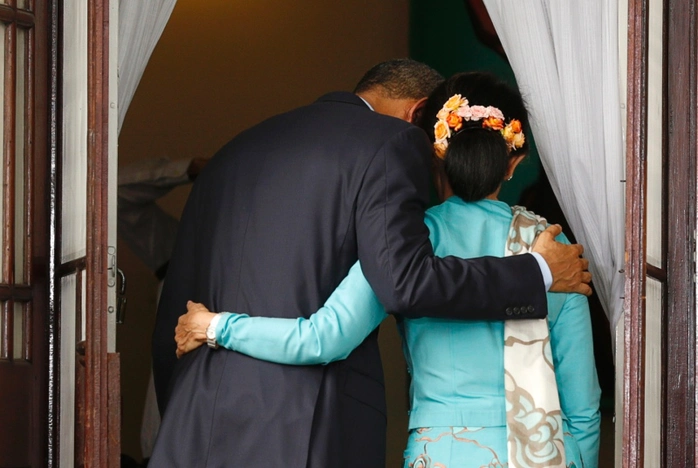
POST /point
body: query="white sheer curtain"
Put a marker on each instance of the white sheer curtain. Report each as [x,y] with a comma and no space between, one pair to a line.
[565,58]
[141,23]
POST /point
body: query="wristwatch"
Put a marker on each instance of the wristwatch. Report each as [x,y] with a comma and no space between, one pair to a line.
[211,332]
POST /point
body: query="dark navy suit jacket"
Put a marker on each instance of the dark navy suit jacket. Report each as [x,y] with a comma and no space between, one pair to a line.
[271,227]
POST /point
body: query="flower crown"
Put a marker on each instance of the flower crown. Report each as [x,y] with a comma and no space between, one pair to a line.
[456,111]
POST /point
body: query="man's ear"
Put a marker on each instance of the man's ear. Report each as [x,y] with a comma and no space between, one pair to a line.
[415,110]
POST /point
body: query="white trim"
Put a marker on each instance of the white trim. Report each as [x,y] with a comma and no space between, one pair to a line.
[113,170]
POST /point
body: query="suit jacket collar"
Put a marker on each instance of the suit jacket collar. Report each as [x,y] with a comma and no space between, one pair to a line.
[344,97]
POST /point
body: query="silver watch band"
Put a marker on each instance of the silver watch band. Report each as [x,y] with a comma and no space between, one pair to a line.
[211,332]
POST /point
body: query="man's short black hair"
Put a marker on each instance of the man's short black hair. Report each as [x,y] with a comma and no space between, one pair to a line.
[401,79]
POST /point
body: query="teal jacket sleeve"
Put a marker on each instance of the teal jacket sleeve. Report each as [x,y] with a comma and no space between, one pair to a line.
[350,314]
[575,370]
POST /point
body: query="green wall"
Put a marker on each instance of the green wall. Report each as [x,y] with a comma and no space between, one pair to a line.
[442,36]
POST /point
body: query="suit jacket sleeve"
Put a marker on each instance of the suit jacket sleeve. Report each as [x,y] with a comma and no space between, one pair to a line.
[397,257]
[350,314]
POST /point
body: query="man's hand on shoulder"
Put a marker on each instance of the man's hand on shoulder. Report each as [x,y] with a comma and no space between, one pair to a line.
[568,268]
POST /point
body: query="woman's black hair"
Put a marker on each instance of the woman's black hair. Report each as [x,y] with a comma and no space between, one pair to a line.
[477,159]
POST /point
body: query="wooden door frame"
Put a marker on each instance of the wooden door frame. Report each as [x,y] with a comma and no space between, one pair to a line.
[635,238]
[102,431]
[101,444]
[680,156]
[681,146]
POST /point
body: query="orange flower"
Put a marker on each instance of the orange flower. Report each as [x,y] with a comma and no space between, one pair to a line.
[493,123]
[454,121]
[454,102]
[518,140]
[515,126]
[441,130]
[440,150]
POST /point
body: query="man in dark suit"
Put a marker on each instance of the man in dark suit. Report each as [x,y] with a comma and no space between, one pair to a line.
[271,227]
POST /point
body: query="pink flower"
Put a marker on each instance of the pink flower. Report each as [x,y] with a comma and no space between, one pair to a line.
[494,112]
[478,112]
[465,112]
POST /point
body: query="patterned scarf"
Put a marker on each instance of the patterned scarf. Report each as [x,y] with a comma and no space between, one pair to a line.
[534,420]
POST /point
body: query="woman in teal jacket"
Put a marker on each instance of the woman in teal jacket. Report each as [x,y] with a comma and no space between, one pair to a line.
[458,392]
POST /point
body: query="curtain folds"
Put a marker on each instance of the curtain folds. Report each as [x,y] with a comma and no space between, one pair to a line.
[141,23]
[565,59]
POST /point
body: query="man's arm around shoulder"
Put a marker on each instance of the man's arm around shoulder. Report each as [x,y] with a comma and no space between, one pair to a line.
[398,259]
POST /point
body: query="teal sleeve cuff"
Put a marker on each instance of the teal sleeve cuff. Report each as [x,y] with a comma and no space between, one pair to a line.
[225,329]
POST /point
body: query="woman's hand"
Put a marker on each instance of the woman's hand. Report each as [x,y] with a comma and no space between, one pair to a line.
[190,332]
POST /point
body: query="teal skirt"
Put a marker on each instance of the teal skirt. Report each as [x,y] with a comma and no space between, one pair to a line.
[468,447]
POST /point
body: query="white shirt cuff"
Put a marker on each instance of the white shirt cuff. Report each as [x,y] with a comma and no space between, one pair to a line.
[544,269]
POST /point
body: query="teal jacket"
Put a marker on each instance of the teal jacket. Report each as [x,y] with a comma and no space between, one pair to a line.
[457,367]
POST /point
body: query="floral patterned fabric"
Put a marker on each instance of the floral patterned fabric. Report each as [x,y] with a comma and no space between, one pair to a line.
[534,419]
[468,447]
